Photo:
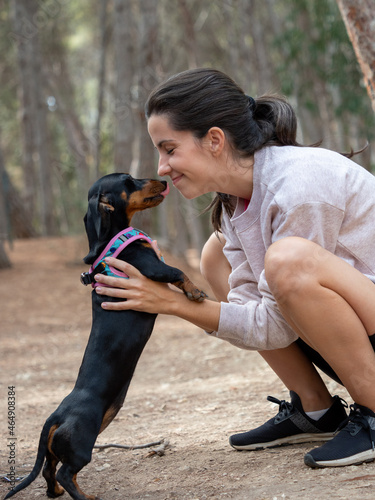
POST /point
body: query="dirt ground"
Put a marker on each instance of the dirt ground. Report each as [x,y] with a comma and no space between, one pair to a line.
[189,389]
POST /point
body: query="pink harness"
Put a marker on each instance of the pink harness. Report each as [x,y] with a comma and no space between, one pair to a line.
[117,244]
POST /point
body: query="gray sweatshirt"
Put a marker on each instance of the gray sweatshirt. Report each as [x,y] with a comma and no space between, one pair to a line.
[312,193]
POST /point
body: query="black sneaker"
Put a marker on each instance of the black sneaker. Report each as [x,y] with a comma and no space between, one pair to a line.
[291,426]
[353,445]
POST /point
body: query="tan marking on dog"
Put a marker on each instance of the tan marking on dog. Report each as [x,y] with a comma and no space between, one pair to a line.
[89,497]
[108,417]
[49,473]
[137,198]
[50,439]
[104,204]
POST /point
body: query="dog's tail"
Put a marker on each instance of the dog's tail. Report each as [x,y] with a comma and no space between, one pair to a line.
[39,461]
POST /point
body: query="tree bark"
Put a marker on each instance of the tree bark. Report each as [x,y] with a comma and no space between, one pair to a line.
[81,146]
[252,12]
[4,218]
[358,16]
[184,211]
[146,76]
[190,38]
[23,30]
[35,130]
[20,222]
[124,65]
[146,73]
[105,36]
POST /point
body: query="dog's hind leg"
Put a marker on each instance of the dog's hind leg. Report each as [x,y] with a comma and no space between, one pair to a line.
[49,469]
[68,479]
[49,474]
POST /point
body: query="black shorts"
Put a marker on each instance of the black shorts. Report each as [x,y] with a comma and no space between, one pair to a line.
[318,361]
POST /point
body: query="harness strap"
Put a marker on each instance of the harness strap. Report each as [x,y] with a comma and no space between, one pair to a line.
[117,244]
[88,278]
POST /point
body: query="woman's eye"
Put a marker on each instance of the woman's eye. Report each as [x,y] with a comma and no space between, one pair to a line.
[170,151]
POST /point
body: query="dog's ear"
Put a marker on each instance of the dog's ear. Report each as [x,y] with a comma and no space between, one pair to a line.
[98,225]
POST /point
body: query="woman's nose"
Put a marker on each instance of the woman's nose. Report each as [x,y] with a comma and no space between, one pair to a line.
[163,167]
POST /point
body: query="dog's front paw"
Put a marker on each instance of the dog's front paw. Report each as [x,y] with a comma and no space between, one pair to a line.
[190,290]
[195,294]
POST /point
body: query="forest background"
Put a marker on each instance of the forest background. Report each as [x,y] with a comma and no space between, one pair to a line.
[75,76]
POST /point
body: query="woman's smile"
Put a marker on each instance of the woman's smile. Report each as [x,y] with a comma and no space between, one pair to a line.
[176,179]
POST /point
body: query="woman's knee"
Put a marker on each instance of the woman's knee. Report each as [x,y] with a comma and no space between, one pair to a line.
[288,262]
[215,267]
[212,252]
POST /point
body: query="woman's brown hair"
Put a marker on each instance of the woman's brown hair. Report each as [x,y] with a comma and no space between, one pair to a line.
[198,99]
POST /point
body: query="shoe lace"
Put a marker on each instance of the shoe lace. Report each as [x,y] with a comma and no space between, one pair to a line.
[285,407]
[356,420]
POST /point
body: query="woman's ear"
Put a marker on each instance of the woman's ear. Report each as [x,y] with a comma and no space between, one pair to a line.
[215,137]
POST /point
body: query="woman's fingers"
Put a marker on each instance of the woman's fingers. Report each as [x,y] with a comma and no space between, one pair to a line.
[132,291]
[117,287]
[114,282]
[137,292]
[125,267]
[122,305]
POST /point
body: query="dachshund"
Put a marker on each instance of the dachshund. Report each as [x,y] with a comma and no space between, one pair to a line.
[116,340]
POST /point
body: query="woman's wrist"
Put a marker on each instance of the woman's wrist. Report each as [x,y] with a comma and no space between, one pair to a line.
[176,302]
[204,314]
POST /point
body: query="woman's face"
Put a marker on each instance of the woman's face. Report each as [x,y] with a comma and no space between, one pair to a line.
[189,162]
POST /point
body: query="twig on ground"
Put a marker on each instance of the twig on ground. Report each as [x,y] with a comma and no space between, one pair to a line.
[128,447]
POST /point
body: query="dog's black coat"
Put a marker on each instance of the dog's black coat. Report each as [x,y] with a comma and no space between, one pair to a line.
[116,341]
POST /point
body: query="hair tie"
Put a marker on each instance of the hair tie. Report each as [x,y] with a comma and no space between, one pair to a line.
[251,101]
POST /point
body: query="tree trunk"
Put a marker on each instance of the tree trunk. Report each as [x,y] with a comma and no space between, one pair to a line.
[35,132]
[124,65]
[15,218]
[251,11]
[230,12]
[4,260]
[20,219]
[23,30]
[4,218]
[105,36]
[145,166]
[190,38]
[146,63]
[81,145]
[358,16]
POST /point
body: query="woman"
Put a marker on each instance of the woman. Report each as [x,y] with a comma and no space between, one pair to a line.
[292,262]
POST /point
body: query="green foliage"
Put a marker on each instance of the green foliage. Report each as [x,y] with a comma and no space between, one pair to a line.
[314,44]
[304,42]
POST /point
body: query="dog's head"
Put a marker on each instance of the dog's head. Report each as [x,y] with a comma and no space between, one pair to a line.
[113,200]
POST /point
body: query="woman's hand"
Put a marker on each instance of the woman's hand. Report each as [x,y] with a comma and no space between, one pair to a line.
[142,294]
[139,293]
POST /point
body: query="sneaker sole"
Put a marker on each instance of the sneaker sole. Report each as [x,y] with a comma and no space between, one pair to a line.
[297,439]
[359,458]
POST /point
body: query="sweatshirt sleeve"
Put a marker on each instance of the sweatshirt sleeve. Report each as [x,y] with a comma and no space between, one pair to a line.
[256,323]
